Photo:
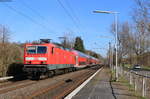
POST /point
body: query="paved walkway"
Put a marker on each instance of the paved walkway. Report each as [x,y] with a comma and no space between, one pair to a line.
[101,88]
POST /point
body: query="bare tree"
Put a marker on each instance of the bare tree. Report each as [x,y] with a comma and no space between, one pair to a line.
[4,38]
[4,34]
[134,40]
[67,40]
[124,39]
[141,21]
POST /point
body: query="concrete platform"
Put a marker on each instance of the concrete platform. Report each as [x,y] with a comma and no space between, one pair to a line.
[100,87]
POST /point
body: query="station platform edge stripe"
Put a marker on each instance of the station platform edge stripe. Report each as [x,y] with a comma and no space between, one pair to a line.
[74,92]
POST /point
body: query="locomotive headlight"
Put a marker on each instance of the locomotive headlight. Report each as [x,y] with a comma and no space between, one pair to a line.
[29,58]
[42,58]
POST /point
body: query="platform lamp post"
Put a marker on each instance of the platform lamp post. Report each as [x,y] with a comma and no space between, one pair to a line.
[116,36]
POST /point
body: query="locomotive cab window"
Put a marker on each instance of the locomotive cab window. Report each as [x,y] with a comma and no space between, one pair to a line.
[41,49]
[31,49]
[36,49]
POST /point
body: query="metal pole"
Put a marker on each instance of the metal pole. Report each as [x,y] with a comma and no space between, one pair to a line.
[109,54]
[143,87]
[116,30]
[113,58]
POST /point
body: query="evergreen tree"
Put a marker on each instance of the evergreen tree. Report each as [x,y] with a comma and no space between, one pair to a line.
[79,44]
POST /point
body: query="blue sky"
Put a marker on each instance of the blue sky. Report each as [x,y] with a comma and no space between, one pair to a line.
[35,19]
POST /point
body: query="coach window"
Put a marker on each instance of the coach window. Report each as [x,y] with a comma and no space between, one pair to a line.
[52,50]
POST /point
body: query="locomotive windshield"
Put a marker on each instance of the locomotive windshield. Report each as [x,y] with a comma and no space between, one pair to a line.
[36,49]
[41,49]
[31,49]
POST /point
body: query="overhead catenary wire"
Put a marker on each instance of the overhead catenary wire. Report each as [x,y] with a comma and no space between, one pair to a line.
[76,18]
[28,17]
[73,12]
[68,13]
[32,10]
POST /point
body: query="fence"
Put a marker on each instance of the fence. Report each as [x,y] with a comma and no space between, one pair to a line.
[140,82]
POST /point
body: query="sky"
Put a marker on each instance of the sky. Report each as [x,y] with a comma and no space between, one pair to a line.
[30,20]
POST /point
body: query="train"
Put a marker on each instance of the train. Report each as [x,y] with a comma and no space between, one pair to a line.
[45,58]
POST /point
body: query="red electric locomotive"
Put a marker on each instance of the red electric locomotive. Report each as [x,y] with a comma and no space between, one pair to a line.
[44,58]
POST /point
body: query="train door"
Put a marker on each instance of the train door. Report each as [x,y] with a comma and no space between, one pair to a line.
[76,60]
[52,60]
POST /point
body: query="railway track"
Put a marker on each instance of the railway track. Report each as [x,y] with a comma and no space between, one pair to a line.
[13,81]
[62,88]
[56,87]
[70,88]
[14,86]
[10,83]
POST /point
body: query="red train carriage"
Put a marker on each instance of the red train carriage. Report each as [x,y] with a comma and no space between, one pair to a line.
[82,60]
[43,58]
